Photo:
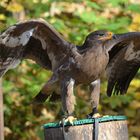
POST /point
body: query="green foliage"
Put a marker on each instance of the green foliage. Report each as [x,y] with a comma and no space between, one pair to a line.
[134,8]
[74,19]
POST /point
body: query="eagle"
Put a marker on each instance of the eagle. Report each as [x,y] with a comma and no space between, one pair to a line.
[124,63]
[70,64]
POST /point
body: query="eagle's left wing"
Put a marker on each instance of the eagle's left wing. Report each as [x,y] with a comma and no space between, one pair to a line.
[124,62]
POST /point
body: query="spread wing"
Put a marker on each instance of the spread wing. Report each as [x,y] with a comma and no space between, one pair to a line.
[33,39]
[124,62]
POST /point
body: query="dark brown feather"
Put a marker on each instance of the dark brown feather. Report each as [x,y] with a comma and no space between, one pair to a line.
[124,62]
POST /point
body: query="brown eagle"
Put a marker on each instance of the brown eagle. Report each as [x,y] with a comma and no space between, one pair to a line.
[71,64]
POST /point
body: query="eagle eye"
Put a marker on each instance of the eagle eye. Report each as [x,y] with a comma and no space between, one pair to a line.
[100,34]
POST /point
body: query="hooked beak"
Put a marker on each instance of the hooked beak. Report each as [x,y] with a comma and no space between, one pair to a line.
[109,36]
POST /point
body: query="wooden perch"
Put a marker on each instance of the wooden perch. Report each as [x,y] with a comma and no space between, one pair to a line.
[110,128]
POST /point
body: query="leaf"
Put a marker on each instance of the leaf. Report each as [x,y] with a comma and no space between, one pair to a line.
[117,2]
[2,17]
[134,8]
[93,5]
[59,25]
[118,24]
[91,17]
[135,105]
[15,7]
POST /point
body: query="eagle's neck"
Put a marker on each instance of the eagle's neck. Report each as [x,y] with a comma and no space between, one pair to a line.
[90,46]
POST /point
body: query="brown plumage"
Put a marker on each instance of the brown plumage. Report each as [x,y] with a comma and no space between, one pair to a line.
[71,65]
[124,62]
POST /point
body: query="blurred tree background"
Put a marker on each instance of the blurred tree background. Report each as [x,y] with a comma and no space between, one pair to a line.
[74,19]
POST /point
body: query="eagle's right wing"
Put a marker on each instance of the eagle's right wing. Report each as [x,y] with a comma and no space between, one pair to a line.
[33,39]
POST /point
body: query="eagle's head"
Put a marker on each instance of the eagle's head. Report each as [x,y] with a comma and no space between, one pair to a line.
[96,39]
[99,36]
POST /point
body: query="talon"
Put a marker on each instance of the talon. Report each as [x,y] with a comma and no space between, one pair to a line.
[96,115]
[69,119]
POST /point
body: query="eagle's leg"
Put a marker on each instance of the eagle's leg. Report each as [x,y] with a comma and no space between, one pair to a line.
[46,91]
[68,99]
[95,95]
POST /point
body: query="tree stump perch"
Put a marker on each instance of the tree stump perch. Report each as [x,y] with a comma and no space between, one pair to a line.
[109,128]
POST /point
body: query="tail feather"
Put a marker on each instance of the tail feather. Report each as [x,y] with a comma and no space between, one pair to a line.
[40,98]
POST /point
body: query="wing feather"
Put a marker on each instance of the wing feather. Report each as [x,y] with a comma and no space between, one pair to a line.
[33,39]
[124,63]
